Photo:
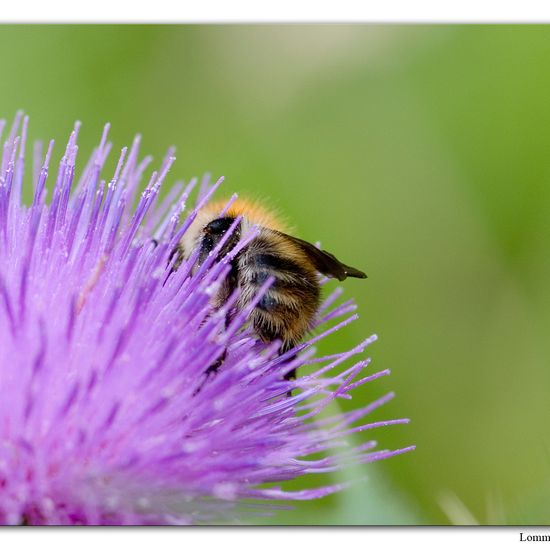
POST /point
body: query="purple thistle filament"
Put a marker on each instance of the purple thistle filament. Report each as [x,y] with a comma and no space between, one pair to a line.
[105,417]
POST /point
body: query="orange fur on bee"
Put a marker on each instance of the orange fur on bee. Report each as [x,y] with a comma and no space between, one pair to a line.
[255,212]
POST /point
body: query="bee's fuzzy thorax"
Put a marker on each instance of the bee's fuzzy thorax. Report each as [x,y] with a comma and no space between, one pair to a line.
[254,211]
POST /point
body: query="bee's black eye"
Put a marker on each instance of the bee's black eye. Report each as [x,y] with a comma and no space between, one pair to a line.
[218,226]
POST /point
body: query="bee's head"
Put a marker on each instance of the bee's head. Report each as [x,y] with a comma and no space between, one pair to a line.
[212,234]
[205,233]
[216,228]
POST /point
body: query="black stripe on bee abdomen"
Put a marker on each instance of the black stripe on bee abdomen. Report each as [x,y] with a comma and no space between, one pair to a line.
[288,291]
[276,264]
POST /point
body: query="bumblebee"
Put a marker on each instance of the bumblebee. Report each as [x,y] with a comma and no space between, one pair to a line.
[287,309]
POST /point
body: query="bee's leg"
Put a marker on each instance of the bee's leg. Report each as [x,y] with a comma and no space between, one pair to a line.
[211,371]
[290,375]
[228,286]
[178,253]
[213,368]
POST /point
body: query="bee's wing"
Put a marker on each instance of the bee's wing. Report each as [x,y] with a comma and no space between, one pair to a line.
[326,263]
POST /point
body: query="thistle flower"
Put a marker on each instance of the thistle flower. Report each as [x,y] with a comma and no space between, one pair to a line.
[105,415]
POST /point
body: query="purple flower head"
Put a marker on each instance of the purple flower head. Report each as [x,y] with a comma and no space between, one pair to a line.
[105,414]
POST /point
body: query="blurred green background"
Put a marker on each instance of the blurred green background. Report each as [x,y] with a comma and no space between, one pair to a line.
[418,153]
